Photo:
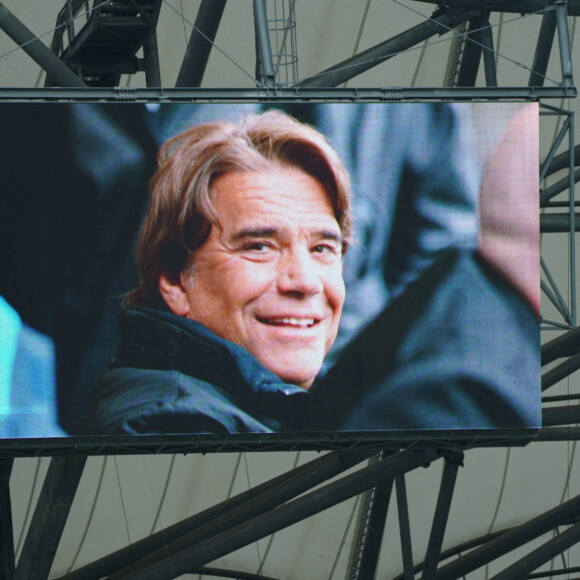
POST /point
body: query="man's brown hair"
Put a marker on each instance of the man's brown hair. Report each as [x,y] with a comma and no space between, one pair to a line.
[181,213]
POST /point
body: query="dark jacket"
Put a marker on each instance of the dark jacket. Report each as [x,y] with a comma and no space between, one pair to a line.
[173,375]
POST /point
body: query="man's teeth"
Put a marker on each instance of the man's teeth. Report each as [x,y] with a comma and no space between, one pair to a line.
[299,322]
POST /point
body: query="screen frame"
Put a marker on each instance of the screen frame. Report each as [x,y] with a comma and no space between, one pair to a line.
[103,445]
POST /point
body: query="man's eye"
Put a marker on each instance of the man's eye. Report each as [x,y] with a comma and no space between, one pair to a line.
[258,247]
[325,249]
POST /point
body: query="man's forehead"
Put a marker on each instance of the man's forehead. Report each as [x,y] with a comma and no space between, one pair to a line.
[276,199]
[284,186]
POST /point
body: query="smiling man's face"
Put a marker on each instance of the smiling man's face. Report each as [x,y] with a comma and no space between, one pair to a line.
[269,276]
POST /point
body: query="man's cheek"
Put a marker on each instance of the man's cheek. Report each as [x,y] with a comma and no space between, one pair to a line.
[339,291]
[255,276]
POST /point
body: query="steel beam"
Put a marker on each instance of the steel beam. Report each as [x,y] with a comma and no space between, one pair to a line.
[456,550]
[553,573]
[284,516]
[510,540]
[541,555]
[565,345]
[471,57]
[234,574]
[223,515]
[478,41]
[555,295]
[547,163]
[370,530]
[562,161]
[264,62]
[560,372]
[489,63]
[552,223]
[262,94]
[513,6]
[543,48]
[572,233]
[49,519]
[404,528]
[200,43]
[568,433]
[556,188]
[567,223]
[6,533]
[60,73]
[151,61]
[452,463]
[564,42]
[352,67]
[457,46]
[568,415]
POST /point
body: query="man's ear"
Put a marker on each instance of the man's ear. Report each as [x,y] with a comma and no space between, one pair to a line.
[174,294]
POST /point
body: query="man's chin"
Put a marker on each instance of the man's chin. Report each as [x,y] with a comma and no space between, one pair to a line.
[304,377]
[295,362]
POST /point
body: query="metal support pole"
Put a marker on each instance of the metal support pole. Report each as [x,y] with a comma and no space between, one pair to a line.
[564,42]
[569,415]
[572,228]
[457,46]
[551,223]
[543,48]
[562,161]
[568,433]
[370,530]
[514,538]
[549,165]
[264,64]
[489,65]
[370,58]
[555,295]
[49,519]
[284,516]
[565,345]
[558,187]
[151,59]
[404,528]
[6,534]
[452,464]
[41,54]
[555,299]
[223,515]
[200,43]
[560,372]
[471,57]
[546,196]
[541,555]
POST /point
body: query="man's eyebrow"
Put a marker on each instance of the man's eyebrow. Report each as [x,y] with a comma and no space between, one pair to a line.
[258,232]
[330,235]
[270,232]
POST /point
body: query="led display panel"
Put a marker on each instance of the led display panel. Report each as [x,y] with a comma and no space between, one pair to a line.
[330,268]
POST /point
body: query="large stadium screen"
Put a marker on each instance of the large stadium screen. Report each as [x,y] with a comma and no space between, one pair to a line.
[330,268]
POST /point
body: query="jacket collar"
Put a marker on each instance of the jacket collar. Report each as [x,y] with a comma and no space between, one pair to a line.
[156,339]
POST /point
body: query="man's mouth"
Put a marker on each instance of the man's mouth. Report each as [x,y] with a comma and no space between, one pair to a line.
[290,322]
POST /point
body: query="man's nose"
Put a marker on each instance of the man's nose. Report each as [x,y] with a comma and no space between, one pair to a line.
[298,273]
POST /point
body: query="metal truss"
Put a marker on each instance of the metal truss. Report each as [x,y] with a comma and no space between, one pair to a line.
[189,546]
[559,221]
[115,30]
[106,45]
